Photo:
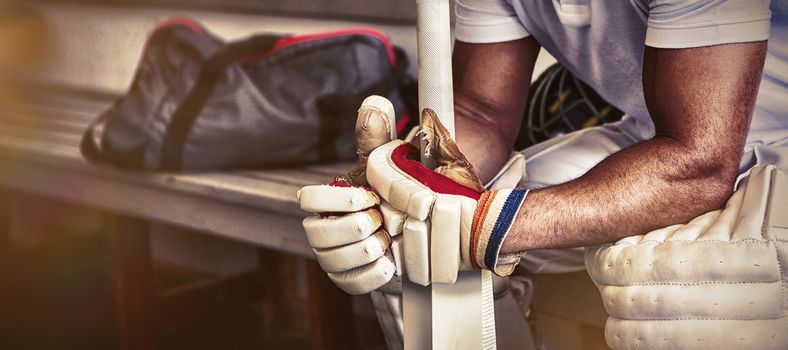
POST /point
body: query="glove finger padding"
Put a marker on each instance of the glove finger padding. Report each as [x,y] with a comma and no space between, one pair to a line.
[397,252]
[335,198]
[416,243]
[334,231]
[445,226]
[393,219]
[713,283]
[348,257]
[365,279]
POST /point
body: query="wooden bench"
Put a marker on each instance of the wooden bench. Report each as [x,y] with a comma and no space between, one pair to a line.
[39,153]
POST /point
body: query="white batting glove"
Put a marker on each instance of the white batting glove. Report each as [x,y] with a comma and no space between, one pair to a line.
[452,224]
[355,237]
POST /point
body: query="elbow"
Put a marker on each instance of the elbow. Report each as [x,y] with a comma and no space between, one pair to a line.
[487,116]
[720,189]
[703,172]
[714,181]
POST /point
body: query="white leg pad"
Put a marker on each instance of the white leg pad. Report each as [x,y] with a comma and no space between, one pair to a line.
[388,310]
[716,282]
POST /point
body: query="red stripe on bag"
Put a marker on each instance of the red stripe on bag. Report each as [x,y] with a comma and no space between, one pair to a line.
[295,39]
[403,123]
[178,22]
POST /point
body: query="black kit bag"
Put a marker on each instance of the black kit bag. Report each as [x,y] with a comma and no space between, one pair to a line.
[197,103]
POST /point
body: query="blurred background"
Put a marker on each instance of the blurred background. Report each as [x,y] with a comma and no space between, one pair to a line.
[56,280]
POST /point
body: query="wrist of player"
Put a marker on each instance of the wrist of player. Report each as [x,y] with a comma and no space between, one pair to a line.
[494,220]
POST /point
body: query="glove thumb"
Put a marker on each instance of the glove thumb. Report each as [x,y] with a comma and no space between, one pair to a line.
[375,127]
[439,146]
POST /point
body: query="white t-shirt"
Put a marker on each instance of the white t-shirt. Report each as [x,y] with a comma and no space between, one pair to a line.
[601,42]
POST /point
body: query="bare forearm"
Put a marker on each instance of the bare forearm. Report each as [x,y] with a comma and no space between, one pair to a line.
[647,186]
[490,88]
[701,101]
[480,140]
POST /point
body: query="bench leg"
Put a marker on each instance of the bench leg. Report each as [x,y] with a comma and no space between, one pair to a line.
[7,278]
[330,312]
[284,309]
[5,223]
[132,272]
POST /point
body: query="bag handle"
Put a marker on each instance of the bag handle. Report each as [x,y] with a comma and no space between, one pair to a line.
[211,70]
[87,146]
[92,151]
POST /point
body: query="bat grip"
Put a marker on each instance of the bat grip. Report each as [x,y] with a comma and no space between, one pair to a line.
[434,57]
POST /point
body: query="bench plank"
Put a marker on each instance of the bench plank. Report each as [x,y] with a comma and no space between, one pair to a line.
[28,132]
[33,119]
[298,176]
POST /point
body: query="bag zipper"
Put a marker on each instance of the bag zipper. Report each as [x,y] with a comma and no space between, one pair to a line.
[296,39]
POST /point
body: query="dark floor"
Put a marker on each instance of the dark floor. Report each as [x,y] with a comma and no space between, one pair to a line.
[243,329]
[56,295]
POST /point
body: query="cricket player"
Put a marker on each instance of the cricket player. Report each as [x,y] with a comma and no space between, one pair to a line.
[679,211]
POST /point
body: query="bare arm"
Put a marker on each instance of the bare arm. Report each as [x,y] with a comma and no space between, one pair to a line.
[490,91]
[701,101]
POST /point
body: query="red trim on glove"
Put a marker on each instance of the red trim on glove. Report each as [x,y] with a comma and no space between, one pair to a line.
[339,183]
[405,157]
